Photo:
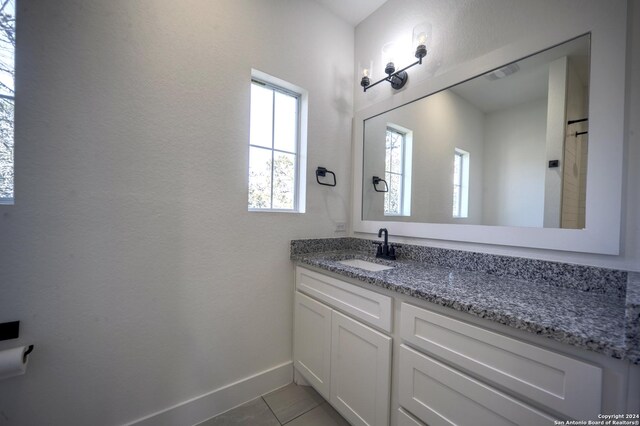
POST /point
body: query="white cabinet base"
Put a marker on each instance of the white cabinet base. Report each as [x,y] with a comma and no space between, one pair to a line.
[457,369]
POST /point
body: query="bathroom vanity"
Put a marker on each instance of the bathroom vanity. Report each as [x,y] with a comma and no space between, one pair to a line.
[449,337]
[425,344]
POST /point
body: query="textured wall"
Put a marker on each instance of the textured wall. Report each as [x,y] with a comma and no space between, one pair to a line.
[130,256]
[467,29]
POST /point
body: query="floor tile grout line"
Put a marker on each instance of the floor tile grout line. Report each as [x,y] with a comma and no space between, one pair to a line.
[302,414]
[269,407]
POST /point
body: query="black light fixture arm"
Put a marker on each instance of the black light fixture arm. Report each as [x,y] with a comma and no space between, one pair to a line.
[399,75]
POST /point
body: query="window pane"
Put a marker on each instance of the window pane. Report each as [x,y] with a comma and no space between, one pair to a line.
[259,178]
[457,168]
[387,160]
[393,197]
[393,172]
[456,200]
[274,145]
[388,152]
[460,183]
[396,159]
[286,122]
[261,115]
[284,181]
[7,50]
[7,47]
[393,160]
[6,148]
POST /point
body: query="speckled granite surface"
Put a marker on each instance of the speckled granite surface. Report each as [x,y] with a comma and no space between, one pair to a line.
[632,316]
[585,278]
[604,322]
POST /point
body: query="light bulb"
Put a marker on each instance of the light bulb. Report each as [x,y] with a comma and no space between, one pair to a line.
[388,57]
[366,73]
[421,35]
[422,39]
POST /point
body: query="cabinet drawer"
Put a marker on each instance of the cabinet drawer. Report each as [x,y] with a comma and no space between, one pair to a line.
[441,395]
[556,381]
[365,305]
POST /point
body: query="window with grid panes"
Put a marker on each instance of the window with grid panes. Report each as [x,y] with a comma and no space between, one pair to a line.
[394,172]
[274,146]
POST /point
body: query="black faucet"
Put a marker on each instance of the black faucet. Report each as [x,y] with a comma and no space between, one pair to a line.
[386,236]
[385,251]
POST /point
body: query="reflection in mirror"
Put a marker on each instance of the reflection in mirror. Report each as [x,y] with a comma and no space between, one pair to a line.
[506,148]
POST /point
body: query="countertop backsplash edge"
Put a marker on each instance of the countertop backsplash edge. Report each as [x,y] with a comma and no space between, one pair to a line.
[591,279]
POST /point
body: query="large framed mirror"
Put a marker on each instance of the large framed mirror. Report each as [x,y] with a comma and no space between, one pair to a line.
[522,147]
[506,148]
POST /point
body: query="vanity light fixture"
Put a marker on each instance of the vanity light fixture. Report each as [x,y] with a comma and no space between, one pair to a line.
[421,33]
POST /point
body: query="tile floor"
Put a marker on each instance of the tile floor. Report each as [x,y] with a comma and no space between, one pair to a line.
[292,405]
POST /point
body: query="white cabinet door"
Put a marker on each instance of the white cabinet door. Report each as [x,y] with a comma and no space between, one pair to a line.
[312,342]
[360,372]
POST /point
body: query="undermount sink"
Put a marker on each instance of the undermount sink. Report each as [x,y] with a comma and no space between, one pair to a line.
[366,265]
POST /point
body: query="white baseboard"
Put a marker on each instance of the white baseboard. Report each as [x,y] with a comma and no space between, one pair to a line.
[299,379]
[204,407]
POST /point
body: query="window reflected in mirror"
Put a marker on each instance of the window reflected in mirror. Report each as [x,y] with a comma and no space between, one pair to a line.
[460,183]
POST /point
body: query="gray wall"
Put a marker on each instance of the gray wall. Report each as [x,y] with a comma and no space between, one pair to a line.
[129,255]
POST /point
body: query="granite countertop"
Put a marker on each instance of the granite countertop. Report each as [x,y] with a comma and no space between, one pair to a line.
[605,323]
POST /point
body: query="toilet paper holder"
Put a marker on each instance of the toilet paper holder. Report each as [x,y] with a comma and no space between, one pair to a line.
[11,330]
[13,361]
[26,353]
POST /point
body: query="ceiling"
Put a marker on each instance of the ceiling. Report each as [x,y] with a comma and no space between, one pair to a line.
[531,82]
[352,11]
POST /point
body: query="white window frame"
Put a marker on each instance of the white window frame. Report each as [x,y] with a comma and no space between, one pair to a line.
[406,164]
[463,184]
[278,85]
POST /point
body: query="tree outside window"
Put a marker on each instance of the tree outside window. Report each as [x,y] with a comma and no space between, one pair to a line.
[7,94]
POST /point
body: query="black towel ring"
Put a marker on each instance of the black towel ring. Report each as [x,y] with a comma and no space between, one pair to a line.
[322,172]
[376,181]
